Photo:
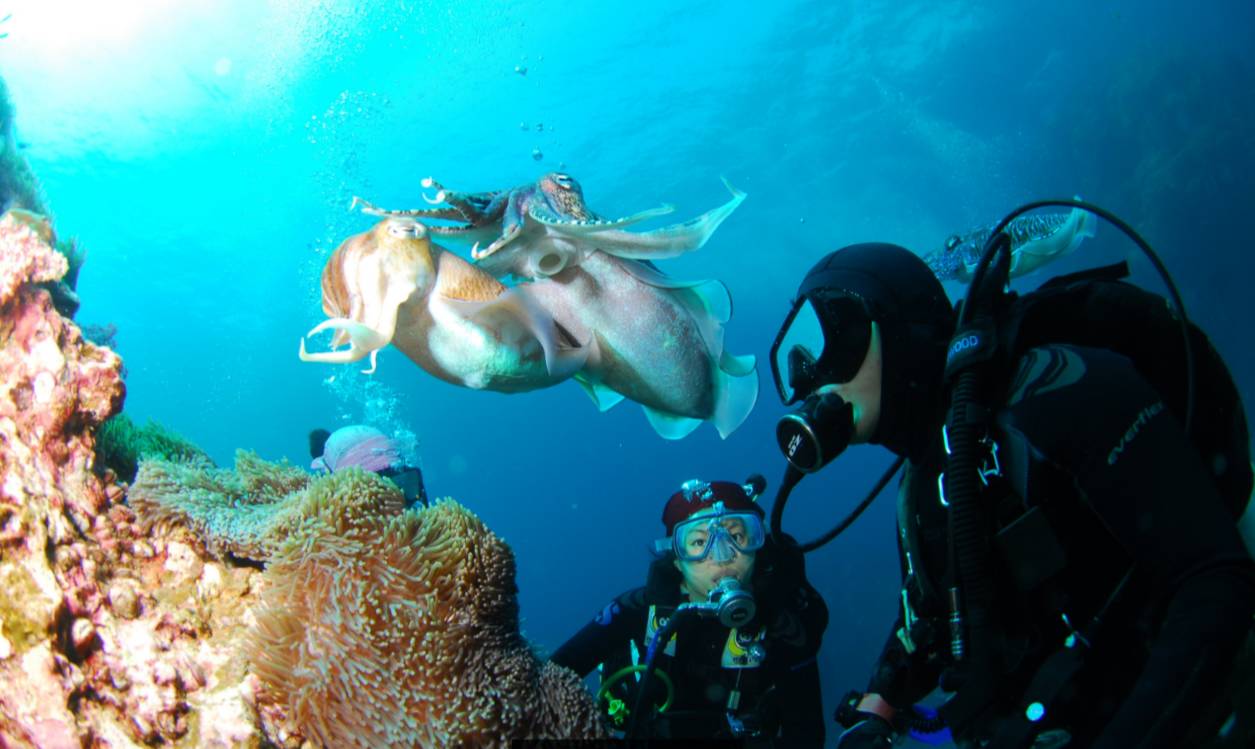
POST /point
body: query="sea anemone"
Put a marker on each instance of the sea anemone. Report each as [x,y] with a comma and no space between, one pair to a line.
[379,629]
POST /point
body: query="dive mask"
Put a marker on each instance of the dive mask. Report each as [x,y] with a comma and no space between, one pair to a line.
[716,533]
[822,341]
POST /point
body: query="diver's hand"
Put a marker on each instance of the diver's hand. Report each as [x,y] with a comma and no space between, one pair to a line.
[872,732]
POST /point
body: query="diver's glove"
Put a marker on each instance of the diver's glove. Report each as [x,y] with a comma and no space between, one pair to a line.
[871,732]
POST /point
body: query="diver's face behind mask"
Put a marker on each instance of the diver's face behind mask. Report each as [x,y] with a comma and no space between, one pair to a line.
[713,545]
[827,356]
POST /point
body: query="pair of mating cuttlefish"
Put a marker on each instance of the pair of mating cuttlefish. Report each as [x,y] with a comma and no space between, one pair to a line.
[591,306]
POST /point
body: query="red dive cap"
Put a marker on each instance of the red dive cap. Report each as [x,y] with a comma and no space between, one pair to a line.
[696,495]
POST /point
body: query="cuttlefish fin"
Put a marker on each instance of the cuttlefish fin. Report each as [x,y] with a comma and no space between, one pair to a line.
[669,426]
[668,241]
[603,397]
[737,392]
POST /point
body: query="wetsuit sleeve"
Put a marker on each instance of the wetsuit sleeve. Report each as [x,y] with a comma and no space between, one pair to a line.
[1091,414]
[611,630]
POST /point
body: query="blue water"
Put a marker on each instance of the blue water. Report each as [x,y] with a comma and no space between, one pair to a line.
[205,155]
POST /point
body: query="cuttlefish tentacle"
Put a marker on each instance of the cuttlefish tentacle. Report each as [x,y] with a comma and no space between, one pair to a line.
[481,208]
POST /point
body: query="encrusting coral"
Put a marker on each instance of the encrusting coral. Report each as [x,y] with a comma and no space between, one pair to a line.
[109,637]
[376,627]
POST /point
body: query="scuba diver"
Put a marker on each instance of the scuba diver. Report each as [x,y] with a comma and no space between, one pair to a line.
[368,448]
[721,642]
[1094,591]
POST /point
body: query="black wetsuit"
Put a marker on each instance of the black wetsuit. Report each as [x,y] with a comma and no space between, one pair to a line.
[1087,440]
[781,696]
[410,480]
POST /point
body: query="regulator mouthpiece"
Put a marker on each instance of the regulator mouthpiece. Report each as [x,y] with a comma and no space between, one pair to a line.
[816,432]
[735,604]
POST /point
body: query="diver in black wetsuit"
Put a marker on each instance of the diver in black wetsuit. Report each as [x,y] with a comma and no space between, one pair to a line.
[757,682]
[1123,596]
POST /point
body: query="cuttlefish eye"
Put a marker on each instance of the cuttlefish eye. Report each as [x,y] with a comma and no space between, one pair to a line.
[952,242]
[564,181]
[407,229]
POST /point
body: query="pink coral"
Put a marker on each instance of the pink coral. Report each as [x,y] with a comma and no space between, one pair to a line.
[98,643]
[26,254]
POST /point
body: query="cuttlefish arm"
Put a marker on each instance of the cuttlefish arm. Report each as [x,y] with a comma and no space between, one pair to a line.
[477,210]
[393,261]
[659,244]
[511,223]
[555,206]
[364,341]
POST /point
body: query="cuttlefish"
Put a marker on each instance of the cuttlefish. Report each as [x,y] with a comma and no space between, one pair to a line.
[1036,240]
[599,322]
[651,338]
[392,284]
[550,226]
[654,340]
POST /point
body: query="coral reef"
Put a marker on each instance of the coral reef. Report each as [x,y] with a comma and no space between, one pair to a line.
[108,637]
[376,627]
[122,443]
[370,626]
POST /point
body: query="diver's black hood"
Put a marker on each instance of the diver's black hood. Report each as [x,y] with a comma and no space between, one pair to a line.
[916,321]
